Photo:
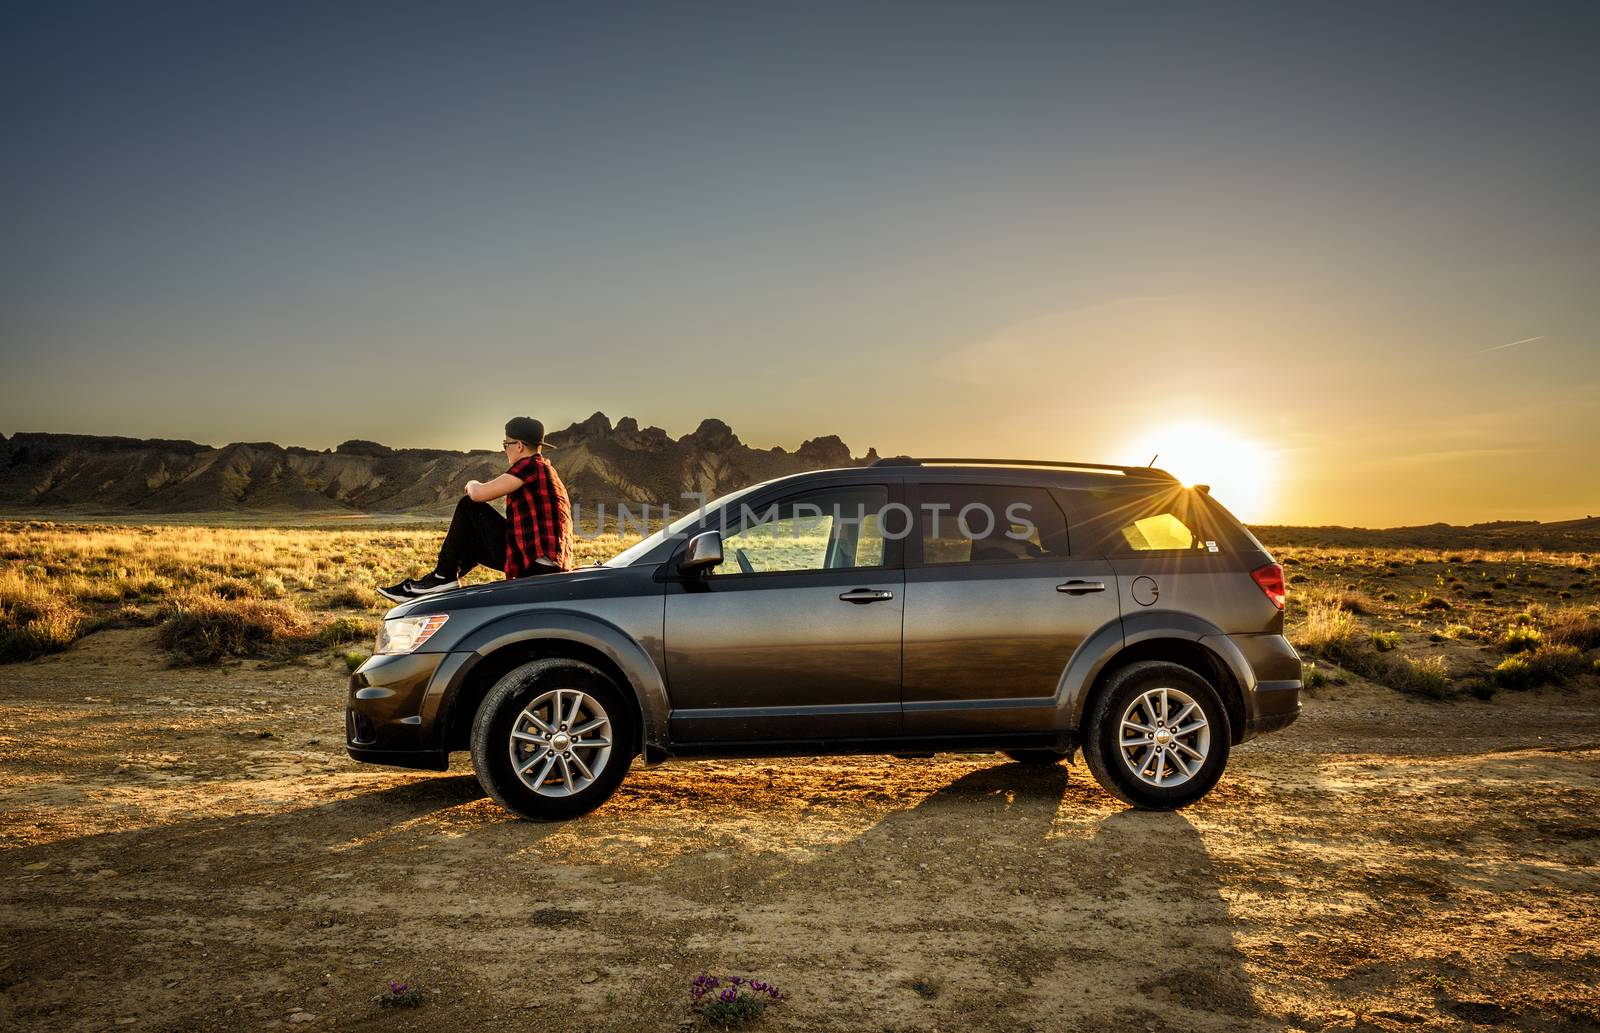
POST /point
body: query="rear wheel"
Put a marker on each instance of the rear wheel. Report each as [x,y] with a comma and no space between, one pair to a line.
[553,739]
[1158,736]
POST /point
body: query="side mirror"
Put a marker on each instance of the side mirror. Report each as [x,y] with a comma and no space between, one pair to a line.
[703,552]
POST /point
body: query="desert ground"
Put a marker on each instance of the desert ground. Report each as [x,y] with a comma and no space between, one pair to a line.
[185,845]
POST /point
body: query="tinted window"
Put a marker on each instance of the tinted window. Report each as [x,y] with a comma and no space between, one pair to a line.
[632,553]
[830,529]
[1140,522]
[989,523]
[1159,532]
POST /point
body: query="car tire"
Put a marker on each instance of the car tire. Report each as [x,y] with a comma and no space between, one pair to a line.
[1043,758]
[1144,768]
[524,722]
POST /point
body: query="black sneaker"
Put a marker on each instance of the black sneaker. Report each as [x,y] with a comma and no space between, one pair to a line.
[398,593]
[429,584]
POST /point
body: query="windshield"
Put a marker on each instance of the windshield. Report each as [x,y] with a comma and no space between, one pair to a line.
[627,556]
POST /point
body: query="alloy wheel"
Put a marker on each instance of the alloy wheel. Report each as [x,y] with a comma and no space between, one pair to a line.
[560,743]
[1164,737]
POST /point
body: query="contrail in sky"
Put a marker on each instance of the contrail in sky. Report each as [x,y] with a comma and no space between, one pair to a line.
[1513,344]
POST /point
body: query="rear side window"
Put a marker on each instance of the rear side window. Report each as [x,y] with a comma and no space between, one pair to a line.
[1162,532]
[989,523]
[1136,523]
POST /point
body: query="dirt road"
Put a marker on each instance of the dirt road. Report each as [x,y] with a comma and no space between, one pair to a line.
[191,850]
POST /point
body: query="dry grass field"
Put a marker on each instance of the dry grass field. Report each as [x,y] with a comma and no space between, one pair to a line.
[186,847]
[1431,622]
[214,592]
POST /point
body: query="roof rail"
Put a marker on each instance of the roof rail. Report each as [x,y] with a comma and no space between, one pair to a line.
[1152,472]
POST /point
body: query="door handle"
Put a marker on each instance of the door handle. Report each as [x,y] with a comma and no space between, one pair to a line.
[865,595]
[1076,587]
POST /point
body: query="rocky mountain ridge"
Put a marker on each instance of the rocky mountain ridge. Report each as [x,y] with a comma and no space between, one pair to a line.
[599,462]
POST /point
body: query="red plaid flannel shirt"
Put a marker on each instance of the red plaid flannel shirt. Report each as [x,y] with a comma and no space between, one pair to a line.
[538,519]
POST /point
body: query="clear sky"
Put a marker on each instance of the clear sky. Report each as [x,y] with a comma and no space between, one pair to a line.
[1287,245]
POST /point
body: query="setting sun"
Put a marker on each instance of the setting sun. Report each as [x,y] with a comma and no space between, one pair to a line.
[1239,471]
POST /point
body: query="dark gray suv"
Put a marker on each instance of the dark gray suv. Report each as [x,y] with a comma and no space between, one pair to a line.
[907,607]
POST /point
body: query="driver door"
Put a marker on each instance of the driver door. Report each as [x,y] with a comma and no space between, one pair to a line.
[796,634]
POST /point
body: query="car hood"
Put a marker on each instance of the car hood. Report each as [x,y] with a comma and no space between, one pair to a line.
[567,586]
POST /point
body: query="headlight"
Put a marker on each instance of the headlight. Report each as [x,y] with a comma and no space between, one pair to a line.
[405,634]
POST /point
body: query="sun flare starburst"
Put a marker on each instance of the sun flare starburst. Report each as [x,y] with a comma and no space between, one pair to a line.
[1239,471]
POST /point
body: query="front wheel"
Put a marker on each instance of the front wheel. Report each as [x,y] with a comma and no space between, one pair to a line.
[552,740]
[1158,736]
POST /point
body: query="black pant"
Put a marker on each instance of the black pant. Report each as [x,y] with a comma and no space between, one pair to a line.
[477,535]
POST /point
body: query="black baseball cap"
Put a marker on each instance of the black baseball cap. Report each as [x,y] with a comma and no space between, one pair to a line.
[527,430]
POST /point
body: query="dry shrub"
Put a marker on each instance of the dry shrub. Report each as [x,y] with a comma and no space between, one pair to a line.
[34,626]
[204,629]
[95,590]
[35,618]
[151,586]
[234,588]
[351,597]
[1521,639]
[1575,626]
[340,630]
[1351,599]
[1546,665]
[1429,676]
[24,584]
[1329,630]
[130,616]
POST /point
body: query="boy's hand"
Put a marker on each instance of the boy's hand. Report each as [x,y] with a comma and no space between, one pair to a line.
[471,485]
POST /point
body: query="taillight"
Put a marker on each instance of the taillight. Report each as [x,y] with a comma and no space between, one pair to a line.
[1270,578]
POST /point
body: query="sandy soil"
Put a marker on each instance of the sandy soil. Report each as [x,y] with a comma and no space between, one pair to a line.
[191,850]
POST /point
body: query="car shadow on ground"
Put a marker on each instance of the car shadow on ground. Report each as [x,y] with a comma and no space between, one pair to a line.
[1011,898]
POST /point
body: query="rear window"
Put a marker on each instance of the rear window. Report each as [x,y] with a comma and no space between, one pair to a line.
[1230,527]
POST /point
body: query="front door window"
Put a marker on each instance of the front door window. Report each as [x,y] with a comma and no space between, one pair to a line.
[837,529]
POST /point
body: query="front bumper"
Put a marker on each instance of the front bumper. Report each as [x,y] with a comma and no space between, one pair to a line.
[428,760]
[389,713]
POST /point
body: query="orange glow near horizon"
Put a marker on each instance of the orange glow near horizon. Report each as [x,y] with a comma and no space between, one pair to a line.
[1241,472]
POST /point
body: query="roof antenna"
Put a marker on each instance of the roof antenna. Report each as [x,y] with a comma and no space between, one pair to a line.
[1153,459]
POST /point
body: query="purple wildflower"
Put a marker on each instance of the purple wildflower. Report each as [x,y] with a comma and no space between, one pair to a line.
[710,993]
